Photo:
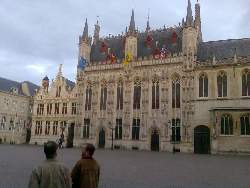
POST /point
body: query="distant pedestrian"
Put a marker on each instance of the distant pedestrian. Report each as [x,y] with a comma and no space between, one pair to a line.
[86,172]
[60,141]
[51,173]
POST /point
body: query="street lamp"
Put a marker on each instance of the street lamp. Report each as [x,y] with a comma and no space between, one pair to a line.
[112,135]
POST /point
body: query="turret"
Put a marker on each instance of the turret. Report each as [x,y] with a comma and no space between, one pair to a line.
[45,83]
[131,29]
[191,36]
[96,32]
[131,39]
[148,27]
[84,44]
[189,17]
[197,22]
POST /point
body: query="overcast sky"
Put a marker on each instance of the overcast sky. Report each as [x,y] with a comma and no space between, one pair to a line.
[37,35]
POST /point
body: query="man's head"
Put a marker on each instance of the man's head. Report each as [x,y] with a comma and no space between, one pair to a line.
[50,149]
[88,150]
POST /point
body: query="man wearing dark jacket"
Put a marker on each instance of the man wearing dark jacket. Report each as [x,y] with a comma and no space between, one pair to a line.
[51,173]
[86,172]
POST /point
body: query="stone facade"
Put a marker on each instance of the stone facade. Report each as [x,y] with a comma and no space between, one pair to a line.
[16,109]
[160,89]
[54,109]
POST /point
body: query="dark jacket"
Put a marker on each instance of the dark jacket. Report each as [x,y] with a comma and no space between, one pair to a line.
[85,174]
[50,174]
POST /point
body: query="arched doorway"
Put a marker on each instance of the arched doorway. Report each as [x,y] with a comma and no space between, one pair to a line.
[155,144]
[70,137]
[201,140]
[101,138]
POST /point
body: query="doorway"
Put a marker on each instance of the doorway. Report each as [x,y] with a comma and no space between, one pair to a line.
[70,139]
[155,144]
[101,138]
[202,140]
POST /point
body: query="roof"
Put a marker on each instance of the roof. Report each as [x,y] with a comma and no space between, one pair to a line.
[162,37]
[32,87]
[223,49]
[8,85]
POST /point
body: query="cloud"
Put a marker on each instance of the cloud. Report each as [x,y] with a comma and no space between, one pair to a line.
[38,35]
[41,69]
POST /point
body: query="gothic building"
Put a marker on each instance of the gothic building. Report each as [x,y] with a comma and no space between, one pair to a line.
[160,90]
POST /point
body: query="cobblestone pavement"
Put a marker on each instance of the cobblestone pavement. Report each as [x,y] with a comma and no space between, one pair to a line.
[135,169]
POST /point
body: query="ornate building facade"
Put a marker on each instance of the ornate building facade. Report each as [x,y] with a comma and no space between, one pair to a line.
[54,109]
[162,89]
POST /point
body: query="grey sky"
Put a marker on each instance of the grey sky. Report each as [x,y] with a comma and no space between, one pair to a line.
[37,35]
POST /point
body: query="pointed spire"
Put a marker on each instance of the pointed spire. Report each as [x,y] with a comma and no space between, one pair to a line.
[189,18]
[132,23]
[197,14]
[148,27]
[85,31]
[96,32]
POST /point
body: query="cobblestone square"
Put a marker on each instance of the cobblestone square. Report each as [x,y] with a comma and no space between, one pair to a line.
[135,169]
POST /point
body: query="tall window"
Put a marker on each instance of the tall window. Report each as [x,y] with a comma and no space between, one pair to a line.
[88,98]
[137,95]
[57,108]
[47,128]
[58,91]
[118,129]
[136,129]
[55,126]
[3,122]
[119,105]
[49,108]
[222,84]
[176,130]
[246,83]
[176,99]
[103,97]
[73,110]
[245,125]
[85,132]
[226,125]
[39,128]
[155,95]
[64,108]
[203,86]
[40,109]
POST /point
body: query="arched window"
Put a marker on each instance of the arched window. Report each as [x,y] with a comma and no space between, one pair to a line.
[245,125]
[137,95]
[176,89]
[103,97]
[119,105]
[222,84]
[246,83]
[203,86]
[226,125]
[155,95]
[88,98]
